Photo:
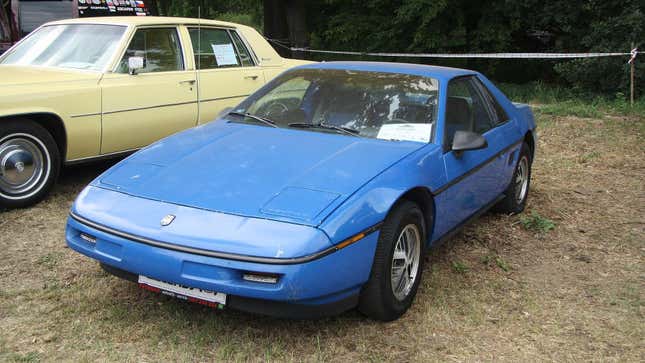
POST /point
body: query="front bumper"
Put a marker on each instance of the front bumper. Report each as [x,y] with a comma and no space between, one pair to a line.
[323,286]
[277,309]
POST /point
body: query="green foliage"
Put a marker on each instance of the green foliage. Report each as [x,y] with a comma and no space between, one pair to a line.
[239,18]
[247,12]
[460,267]
[604,26]
[502,264]
[463,26]
[29,357]
[489,260]
[556,100]
[576,108]
[536,222]
[426,26]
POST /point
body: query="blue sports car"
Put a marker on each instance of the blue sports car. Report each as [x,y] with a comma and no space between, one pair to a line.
[319,193]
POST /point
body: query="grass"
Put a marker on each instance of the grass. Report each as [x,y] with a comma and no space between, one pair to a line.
[460,267]
[501,290]
[28,357]
[561,101]
[536,222]
[495,260]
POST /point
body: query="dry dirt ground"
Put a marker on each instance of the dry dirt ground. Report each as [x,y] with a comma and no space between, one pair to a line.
[497,291]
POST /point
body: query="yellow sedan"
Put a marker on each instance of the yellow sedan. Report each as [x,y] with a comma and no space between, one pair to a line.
[77,90]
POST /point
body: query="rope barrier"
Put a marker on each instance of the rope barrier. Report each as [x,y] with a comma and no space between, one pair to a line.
[632,53]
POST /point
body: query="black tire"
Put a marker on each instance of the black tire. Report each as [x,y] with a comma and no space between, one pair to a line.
[377,299]
[512,204]
[27,150]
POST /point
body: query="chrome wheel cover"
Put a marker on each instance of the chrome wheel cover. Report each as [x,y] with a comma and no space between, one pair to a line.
[405,261]
[522,180]
[24,165]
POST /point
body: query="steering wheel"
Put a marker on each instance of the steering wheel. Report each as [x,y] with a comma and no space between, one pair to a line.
[275,109]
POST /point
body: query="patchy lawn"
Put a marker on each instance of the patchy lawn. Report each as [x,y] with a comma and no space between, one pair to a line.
[562,282]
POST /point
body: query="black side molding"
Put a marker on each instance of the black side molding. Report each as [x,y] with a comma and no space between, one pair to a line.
[475,169]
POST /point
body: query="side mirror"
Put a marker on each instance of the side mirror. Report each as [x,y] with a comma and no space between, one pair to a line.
[135,64]
[467,140]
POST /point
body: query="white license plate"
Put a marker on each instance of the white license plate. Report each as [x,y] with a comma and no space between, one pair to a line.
[183,292]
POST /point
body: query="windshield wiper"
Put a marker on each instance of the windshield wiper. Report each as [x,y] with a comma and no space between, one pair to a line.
[257,118]
[344,130]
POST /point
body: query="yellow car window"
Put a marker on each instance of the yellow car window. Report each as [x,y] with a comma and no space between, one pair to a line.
[243,52]
[214,48]
[160,49]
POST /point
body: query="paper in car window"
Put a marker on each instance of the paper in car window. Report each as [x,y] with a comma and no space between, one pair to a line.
[224,54]
[408,132]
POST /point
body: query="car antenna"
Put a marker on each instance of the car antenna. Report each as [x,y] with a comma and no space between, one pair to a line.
[198,66]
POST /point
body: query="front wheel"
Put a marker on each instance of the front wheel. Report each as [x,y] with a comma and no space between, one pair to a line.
[29,163]
[398,264]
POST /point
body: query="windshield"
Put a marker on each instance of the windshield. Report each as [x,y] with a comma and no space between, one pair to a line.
[76,46]
[369,104]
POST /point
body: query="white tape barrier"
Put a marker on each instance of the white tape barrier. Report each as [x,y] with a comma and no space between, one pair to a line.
[633,54]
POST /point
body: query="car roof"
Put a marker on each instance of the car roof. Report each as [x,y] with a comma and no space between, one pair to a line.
[440,73]
[144,20]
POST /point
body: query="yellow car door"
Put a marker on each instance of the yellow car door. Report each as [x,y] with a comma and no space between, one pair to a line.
[227,70]
[159,100]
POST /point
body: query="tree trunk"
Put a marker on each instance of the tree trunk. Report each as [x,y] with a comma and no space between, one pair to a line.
[5,11]
[285,21]
[275,24]
[297,23]
[16,33]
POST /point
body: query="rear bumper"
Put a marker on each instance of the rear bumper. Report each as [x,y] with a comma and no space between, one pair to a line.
[325,286]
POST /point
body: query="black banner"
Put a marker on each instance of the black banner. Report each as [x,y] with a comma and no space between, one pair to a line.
[89,8]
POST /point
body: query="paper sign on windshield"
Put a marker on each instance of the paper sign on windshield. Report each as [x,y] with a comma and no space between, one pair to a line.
[409,132]
[224,54]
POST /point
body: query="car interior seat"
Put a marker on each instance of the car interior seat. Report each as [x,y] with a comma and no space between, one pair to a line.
[458,116]
[161,53]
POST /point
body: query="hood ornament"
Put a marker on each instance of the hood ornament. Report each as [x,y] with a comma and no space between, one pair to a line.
[167,220]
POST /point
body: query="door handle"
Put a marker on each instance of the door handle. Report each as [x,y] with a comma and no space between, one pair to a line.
[253,77]
[188,81]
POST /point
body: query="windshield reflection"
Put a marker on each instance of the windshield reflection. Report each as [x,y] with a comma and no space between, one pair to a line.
[373,104]
[75,46]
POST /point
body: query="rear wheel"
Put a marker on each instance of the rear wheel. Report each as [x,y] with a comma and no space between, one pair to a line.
[29,163]
[518,191]
[398,264]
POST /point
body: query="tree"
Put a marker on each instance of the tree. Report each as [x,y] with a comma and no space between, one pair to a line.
[286,21]
[452,26]
[247,12]
[8,26]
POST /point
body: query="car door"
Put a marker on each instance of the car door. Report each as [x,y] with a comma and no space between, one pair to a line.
[227,71]
[475,178]
[505,138]
[159,100]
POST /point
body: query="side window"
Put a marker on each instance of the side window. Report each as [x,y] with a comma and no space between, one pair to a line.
[494,108]
[160,49]
[465,109]
[214,48]
[243,52]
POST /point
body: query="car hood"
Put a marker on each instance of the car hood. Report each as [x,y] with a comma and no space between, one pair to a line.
[255,171]
[11,75]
